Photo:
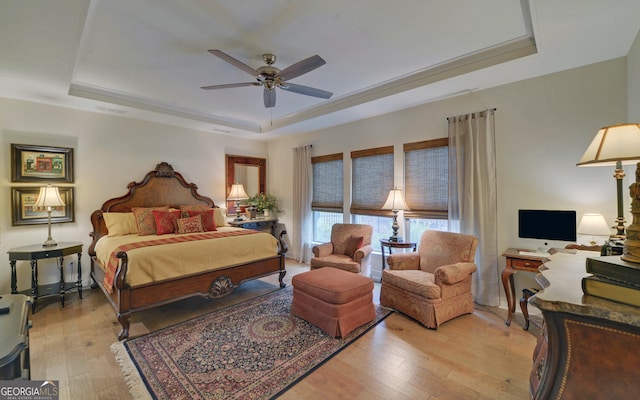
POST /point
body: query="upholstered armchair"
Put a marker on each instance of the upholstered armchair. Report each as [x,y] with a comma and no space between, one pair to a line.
[432,285]
[349,250]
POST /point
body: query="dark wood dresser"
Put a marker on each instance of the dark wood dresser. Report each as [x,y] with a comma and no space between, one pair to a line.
[589,347]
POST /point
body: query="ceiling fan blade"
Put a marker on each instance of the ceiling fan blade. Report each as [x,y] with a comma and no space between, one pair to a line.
[301,67]
[235,62]
[306,90]
[230,85]
[269,96]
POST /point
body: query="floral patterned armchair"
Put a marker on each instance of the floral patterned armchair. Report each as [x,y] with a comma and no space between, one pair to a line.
[349,250]
[432,285]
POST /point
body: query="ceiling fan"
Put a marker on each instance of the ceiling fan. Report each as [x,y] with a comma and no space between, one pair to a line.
[271,77]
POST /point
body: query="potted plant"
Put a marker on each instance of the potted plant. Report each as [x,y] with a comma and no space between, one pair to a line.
[264,203]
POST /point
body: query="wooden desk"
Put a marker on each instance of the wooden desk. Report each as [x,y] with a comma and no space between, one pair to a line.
[36,252]
[517,262]
[589,347]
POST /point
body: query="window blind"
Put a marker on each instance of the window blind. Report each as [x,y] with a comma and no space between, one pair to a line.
[426,169]
[328,183]
[372,178]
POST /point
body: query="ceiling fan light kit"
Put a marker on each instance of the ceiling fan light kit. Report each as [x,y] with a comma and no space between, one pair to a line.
[271,77]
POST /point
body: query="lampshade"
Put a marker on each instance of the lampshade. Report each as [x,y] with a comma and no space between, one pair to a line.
[614,143]
[48,197]
[593,225]
[237,192]
[395,201]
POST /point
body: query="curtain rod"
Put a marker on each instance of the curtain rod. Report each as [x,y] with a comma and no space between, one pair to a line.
[489,109]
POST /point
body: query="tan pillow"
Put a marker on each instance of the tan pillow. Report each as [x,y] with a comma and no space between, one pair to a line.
[190,224]
[120,223]
[144,219]
[220,216]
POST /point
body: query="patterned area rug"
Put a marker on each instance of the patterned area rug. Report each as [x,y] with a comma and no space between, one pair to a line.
[251,350]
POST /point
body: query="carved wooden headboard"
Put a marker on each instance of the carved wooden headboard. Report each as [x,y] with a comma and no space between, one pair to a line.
[160,187]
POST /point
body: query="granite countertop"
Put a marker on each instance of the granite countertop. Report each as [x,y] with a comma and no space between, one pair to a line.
[561,279]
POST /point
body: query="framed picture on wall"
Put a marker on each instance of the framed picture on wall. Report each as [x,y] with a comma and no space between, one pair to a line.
[40,163]
[23,213]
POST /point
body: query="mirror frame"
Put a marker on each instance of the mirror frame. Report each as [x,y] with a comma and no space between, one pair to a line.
[232,160]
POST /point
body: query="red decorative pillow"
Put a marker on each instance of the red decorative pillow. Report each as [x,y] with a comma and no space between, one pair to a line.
[166,221]
[190,224]
[208,218]
[353,244]
[144,219]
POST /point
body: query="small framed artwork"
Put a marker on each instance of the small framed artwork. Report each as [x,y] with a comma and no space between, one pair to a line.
[39,163]
[23,213]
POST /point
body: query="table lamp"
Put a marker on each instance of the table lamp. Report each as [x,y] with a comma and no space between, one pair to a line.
[617,145]
[594,225]
[236,194]
[395,202]
[47,198]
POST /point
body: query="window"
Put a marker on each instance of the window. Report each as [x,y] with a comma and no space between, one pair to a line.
[426,167]
[328,189]
[372,178]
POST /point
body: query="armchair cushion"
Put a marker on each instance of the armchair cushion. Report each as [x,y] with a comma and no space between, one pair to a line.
[450,274]
[413,281]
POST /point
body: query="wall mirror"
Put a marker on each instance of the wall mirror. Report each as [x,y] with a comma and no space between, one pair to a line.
[250,171]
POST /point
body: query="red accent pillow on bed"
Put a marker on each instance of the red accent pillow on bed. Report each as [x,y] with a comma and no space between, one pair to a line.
[166,221]
[208,219]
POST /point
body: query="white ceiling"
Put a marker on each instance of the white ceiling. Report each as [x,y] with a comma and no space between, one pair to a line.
[147,59]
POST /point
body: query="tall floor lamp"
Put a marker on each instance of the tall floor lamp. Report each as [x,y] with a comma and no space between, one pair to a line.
[395,202]
[617,145]
[47,198]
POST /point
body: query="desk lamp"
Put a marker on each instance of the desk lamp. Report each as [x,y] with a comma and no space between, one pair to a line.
[395,202]
[594,225]
[48,198]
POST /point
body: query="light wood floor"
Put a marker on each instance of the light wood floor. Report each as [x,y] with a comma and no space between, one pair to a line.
[471,357]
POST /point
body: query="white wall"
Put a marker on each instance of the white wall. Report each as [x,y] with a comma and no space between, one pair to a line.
[543,126]
[109,152]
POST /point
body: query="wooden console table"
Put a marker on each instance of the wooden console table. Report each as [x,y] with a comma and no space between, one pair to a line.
[589,347]
[36,252]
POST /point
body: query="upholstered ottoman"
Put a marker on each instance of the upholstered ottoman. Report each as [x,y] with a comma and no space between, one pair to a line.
[334,300]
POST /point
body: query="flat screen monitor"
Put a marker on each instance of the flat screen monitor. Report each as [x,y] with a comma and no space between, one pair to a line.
[547,225]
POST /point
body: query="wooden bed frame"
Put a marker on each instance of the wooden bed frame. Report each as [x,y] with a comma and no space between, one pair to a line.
[165,187]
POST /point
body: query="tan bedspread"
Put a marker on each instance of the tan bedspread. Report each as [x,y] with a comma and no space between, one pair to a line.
[159,262]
